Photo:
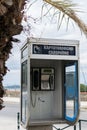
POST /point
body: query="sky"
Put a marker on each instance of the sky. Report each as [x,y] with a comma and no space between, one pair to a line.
[48,29]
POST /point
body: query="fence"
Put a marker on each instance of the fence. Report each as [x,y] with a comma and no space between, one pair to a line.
[75,126]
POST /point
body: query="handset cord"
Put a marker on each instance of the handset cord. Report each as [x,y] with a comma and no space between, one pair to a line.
[33,100]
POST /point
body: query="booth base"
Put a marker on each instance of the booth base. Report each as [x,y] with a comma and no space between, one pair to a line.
[39,128]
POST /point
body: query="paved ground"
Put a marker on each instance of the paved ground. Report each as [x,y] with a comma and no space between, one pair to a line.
[8,116]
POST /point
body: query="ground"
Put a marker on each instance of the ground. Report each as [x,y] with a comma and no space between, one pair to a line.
[12,93]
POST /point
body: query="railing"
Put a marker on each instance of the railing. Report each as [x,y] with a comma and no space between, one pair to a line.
[74,127]
[65,127]
[68,126]
[80,123]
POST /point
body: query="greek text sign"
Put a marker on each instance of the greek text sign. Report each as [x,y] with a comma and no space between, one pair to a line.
[53,50]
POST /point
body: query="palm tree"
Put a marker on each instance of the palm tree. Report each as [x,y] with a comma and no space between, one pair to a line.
[66,7]
[10,25]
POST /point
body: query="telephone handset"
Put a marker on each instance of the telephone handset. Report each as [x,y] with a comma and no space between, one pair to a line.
[51,79]
[35,79]
[36,75]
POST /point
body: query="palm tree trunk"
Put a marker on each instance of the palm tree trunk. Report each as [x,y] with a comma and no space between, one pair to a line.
[10,25]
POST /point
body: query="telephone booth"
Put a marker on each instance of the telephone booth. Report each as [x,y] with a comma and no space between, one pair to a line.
[49,82]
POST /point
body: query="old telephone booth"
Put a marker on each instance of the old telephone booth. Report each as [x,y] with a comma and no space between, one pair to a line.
[49,81]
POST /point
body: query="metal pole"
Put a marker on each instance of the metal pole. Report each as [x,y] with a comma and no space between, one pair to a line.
[74,127]
[18,121]
[79,124]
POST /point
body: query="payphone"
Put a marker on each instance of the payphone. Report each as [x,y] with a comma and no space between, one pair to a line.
[49,81]
[42,79]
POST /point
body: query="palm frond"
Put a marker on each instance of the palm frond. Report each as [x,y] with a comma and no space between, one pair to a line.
[47,12]
[67,8]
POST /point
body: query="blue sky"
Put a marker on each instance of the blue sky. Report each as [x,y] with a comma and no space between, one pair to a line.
[49,30]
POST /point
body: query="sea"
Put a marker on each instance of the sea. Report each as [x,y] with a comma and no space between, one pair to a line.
[12,87]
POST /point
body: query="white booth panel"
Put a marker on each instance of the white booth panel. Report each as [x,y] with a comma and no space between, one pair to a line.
[47,104]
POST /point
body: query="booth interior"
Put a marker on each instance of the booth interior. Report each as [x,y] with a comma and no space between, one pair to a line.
[47,79]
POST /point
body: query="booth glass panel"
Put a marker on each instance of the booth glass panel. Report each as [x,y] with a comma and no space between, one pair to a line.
[23,91]
[24,52]
[71,91]
[70,111]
